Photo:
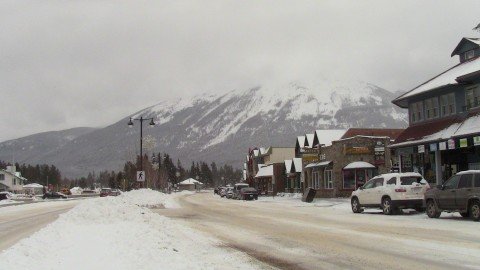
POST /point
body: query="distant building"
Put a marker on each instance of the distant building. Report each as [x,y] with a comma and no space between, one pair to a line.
[11,180]
[349,161]
[265,168]
[443,136]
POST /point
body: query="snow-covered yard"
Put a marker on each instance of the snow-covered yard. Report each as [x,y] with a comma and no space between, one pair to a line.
[121,233]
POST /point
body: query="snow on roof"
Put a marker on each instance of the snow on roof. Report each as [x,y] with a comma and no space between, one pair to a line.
[288,166]
[358,165]
[256,152]
[325,137]
[468,172]
[190,181]
[301,141]
[265,171]
[318,164]
[263,151]
[469,126]
[297,162]
[33,185]
[309,138]
[448,77]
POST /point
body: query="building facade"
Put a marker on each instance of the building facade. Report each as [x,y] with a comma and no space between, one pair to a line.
[11,180]
[443,136]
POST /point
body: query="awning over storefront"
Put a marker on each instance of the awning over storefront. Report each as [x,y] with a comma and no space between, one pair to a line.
[265,171]
[440,130]
[318,164]
[359,165]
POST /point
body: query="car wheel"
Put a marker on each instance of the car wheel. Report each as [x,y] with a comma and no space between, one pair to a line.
[475,210]
[356,208]
[432,211]
[387,206]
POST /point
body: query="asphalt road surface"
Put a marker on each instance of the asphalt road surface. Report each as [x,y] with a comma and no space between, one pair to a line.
[20,221]
[295,235]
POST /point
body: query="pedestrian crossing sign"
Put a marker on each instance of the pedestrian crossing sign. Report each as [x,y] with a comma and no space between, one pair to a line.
[140,176]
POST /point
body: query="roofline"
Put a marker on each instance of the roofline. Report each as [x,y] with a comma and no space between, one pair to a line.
[454,52]
[402,97]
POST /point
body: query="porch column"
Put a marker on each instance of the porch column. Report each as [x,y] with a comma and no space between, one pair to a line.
[438,167]
[399,162]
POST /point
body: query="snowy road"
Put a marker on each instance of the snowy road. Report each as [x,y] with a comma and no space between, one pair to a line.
[289,234]
[20,221]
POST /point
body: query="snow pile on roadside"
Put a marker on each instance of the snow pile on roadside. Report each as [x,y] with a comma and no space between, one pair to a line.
[117,233]
[8,202]
[152,199]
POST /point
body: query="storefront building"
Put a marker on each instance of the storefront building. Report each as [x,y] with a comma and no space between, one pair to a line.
[443,136]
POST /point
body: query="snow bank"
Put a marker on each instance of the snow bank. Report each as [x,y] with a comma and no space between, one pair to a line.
[118,233]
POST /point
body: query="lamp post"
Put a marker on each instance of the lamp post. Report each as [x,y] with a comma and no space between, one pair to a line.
[130,124]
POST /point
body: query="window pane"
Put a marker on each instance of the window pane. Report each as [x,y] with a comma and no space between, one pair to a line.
[408,180]
[477,180]
[392,181]
[465,181]
[452,182]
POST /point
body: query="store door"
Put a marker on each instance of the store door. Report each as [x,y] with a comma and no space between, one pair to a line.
[360,177]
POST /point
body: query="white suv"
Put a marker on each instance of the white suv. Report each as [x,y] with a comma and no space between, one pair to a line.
[391,192]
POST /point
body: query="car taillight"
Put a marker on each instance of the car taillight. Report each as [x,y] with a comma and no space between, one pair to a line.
[400,190]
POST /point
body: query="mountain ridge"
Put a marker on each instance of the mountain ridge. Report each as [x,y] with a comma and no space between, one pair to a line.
[222,127]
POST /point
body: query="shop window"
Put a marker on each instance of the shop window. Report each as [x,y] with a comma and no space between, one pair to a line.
[416,112]
[316,180]
[431,108]
[2,177]
[328,179]
[14,181]
[472,95]
[447,104]
[349,179]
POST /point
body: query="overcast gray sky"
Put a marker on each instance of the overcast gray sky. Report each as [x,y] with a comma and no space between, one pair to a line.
[65,64]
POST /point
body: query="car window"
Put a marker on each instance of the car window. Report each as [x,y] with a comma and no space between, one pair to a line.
[369,184]
[378,182]
[477,180]
[392,181]
[409,180]
[465,181]
[452,182]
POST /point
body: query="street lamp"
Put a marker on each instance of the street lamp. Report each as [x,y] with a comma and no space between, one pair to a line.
[130,124]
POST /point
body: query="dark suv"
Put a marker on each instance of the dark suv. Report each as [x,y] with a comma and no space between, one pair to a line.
[460,193]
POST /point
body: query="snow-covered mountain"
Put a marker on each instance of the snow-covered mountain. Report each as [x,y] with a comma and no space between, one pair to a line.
[221,127]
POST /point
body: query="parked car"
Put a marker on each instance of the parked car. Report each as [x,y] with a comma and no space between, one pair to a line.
[66,191]
[105,192]
[216,190]
[229,193]
[4,195]
[54,195]
[115,192]
[460,193]
[236,190]
[391,192]
[248,193]
[222,192]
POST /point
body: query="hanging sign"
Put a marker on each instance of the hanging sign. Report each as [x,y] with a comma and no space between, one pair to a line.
[433,147]
[442,145]
[451,144]
[421,149]
[463,143]
[476,140]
